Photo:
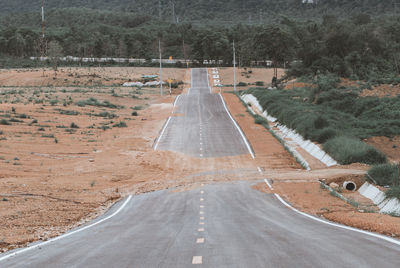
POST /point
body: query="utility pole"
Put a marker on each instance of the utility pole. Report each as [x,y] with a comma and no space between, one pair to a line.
[159,10]
[234,66]
[173,12]
[161,82]
[43,45]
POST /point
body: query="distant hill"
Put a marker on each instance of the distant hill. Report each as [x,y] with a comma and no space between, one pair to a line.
[246,11]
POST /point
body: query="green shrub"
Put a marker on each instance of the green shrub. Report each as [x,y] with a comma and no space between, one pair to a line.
[134,113]
[95,102]
[348,150]
[241,84]
[41,129]
[385,174]
[69,112]
[260,83]
[393,192]
[325,134]
[137,108]
[73,125]
[259,120]
[121,124]
[4,122]
[48,136]
[1,132]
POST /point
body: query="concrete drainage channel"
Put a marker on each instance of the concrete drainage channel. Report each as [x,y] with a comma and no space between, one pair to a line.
[285,133]
[387,206]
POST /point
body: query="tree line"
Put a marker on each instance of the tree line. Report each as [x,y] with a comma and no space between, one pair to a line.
[350,47]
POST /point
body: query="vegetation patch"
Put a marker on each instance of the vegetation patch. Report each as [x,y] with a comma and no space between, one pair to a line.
[97,103]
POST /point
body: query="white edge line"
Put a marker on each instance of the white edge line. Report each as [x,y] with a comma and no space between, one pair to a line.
[269,185]
[388,239]
[208,81]
[191,80]
[240,131]
[162,133]
[67,234]
[176,100]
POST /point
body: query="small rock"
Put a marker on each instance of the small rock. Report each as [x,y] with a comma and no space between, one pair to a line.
[334,185]
[91,160]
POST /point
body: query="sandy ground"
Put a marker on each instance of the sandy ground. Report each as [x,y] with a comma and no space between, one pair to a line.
[93,76]
[248,76]
[54,177]
[389,146]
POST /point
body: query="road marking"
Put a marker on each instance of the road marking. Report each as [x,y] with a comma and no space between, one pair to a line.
[202,192]
[202,212]
[201,206]
[388,239]
[67,234]
[201,223]
[162,133]
[238,128]
[200,230]
[200,241]
[269,185]
[201,199]
[197,260]
[202,218]
[259,169]
[176,100]
[208,81]
[201,155]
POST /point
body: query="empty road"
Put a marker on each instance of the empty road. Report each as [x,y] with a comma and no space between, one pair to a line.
[202,126]
[219,225]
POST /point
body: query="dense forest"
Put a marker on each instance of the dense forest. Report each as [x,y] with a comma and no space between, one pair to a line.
[356,46]
[247,11]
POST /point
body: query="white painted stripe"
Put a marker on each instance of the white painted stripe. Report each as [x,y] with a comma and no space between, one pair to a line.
[200,230]
[202,218]
[269,185]
[208,82]
[200,241]
[388,239]
[238,128]
[259,169]
[162,133]
[67,234]
[202,192]
[191,80]
[176,100]
[197,260]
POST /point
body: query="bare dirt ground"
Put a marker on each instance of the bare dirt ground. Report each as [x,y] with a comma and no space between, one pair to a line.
[248,75]
[55,175]
[389,146]
[93,76]
[382,91]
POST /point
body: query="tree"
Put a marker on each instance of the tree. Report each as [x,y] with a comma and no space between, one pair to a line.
[55,52]
[274,43]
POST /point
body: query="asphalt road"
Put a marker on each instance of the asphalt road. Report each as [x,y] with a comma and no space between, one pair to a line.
[201,126]
[241,227]
[219,225]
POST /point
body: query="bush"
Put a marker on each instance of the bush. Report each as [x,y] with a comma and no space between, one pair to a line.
[134,113]
[121,124]
[259,120]
[241,84]
[260,83]
[385,174]
[4,122]
[325,134]
[73,125]
[393,192]
[348,150]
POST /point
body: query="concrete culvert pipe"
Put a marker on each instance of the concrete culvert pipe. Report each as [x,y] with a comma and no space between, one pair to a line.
[349,185]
